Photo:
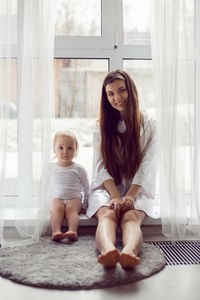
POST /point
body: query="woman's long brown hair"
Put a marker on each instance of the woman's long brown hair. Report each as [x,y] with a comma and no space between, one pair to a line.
[114,143]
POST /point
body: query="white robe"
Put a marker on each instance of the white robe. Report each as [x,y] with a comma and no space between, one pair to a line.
[145,175]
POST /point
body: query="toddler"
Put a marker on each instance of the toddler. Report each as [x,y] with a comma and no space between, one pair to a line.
[69,187]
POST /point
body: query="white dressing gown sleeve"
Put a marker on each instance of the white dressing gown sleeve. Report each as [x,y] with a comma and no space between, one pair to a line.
[146,174]
[99,173]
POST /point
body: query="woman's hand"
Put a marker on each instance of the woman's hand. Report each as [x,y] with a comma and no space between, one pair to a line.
[127,203]
[128,200]
[115,203]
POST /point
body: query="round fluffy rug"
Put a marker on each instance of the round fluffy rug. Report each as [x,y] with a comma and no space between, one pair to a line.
[67,265]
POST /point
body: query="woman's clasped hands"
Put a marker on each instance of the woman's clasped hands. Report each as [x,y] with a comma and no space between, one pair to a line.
[127,203]
[121,204]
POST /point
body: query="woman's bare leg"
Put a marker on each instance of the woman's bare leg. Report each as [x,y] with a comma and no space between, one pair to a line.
[130,223]
[73,208]
[57,216]
[106,237]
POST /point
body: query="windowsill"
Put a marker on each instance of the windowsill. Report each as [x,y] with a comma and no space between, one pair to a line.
[30,215]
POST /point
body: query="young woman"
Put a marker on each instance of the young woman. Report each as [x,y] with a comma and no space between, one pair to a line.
[124,171]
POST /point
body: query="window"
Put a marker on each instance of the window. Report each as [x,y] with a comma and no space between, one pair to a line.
[78,86]
[11,112]
[141,71]
[92,38]
[137,22]
[115,40]
[78,19]
[8,99]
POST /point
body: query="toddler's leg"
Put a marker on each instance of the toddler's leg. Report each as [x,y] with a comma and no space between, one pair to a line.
[57,216]
[73,208]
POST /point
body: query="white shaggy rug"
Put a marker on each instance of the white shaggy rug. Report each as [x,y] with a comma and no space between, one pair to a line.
[67,265]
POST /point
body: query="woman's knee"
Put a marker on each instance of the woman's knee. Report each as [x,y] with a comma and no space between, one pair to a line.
[132,216]
[106,213]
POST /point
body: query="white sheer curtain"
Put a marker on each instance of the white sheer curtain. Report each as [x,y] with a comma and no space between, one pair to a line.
[6,36]
[35,44]
[176,73]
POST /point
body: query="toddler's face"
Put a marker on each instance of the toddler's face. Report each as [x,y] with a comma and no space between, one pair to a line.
[65,150]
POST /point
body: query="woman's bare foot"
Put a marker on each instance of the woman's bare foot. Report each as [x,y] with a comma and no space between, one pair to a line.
[57,236]
[109,259]
[128,260]
[71,235]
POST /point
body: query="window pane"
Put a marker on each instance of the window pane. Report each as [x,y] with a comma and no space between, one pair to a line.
[141,72]
[78,90]
[78,87]
[137,21]
[8,20]
[78,18]
[8,107]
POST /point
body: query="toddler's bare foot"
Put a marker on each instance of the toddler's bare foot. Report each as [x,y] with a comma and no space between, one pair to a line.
[57,236]
[109,259]
[128,260]
[71,235]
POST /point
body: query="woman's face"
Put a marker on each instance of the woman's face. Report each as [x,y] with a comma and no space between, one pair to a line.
[117,95]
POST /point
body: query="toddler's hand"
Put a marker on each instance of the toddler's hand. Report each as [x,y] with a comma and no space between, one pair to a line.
[83,211]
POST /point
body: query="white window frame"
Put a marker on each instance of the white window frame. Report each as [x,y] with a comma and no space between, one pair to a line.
[107,46]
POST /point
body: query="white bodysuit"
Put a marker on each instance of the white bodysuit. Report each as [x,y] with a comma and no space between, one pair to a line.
[70,182]
[145,176]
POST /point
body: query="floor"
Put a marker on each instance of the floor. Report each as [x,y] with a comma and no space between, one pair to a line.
[173,282]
